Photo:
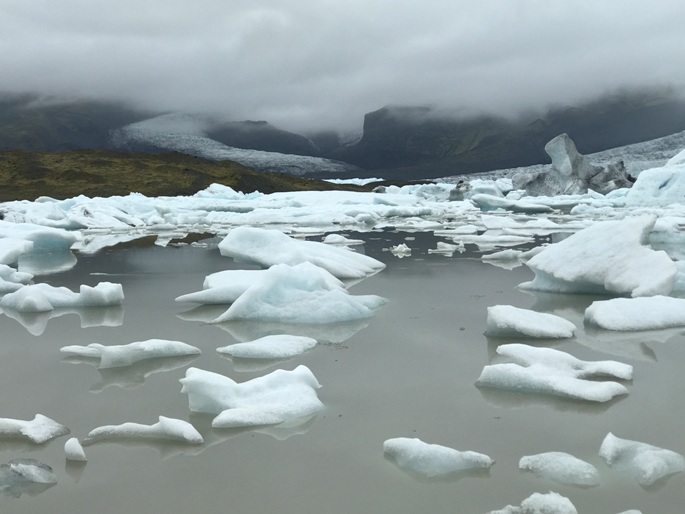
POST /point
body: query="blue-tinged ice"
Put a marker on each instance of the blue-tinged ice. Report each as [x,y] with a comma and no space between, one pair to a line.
[114,356]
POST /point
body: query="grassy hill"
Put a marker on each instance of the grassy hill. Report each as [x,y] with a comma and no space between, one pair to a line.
[28,175]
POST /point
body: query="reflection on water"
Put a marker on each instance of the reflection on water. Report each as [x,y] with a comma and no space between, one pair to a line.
[37,322]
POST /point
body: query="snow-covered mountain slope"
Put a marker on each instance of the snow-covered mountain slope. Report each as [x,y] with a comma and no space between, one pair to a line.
[186,134]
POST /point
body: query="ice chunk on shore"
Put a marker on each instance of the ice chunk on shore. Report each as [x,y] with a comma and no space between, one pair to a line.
[74,451]
[433,460]
[39,430]
[561,467]
[44,297]
[549,371]
[539,503]
[269,247]
[303,293]
[280,346]
[609,256]
[124,355]
[275,398]
[648,313]
[165,428]
[642,461]
[509,321]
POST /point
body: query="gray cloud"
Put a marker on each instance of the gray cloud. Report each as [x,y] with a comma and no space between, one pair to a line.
[319,63]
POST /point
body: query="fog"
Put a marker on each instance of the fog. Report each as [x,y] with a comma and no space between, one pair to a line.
[305,65]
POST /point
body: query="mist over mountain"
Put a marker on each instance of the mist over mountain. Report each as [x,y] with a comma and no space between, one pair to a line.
[398,142]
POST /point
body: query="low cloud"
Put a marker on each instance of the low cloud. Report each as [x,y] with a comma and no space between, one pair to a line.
[306,65]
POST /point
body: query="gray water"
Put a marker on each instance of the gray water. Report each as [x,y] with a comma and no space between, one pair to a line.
[407,372]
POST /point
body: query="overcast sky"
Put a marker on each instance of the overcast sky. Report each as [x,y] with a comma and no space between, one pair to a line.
[319,63]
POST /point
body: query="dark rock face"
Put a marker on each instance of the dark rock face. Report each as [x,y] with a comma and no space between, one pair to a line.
[571,173]
[260,135]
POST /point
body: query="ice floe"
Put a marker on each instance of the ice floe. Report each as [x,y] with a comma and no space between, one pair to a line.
[44,297]
[549,371]
[124,355]
[541,503]
[561,467]
[74,451]
[269,247]
[278,397]
[280,346]
[433,460]
[303,293]
[38,430]
[12,280]
[645,313]
[224,287]
[510,321]
[608,257]
[645,463]
[25,476]
[166,429]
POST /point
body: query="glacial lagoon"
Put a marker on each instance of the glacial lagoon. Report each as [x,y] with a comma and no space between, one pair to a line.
[409,371]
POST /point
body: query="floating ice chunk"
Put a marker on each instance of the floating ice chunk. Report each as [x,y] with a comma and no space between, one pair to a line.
[400,250]
[609,256]
[650,313]
[28,476]
[74,451]
[432,460]
[270,347]
[43,239]
[126,354]
[39,430]
[303,293]
[44,297]
[488,203]
[12,248]
[12,280]
[642,461]
[548,371]
[562,468]
[275,398]
[269,247]
[224,287]
[539,503]
[509,321]
[340,240]
[661,187]
[165,428]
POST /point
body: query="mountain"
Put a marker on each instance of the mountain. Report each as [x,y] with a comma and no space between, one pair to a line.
[398,142]
[411,142]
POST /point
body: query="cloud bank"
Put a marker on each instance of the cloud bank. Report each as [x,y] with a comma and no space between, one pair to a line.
[312,64]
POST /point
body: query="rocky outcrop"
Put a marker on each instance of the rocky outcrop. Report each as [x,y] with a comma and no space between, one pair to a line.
[571,173]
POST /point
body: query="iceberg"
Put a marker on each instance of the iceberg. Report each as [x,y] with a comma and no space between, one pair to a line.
[279,346]
[433,460]
[279,397]
[659,187]
[44,297]
[607,257]
[224,287]
[166,428]
[39,430]
[509,321]
[268,247]
[74,451]
[539,503]
[124,355]
[12,280]
[548,371]
[303,293]
[645,463]
[562,468]
[13,248]
[646,313]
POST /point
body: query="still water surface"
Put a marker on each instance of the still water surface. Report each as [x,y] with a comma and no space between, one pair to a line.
[408,372]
